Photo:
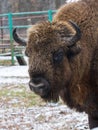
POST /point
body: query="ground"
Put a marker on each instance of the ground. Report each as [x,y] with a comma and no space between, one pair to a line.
[21,109]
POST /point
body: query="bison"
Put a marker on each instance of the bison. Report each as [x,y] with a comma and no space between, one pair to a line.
[63,57]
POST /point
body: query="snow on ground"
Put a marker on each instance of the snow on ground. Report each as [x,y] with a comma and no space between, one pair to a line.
[50,117]
[42,118]
[14,74]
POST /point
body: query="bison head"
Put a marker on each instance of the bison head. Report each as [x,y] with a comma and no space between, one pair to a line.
[50,47]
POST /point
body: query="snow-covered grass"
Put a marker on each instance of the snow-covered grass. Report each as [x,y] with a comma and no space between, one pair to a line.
[42,118]
[21,109]
[14,74]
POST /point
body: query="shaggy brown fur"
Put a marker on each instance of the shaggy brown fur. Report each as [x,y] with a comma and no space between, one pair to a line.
[75,78]
[85,14]
[44,38]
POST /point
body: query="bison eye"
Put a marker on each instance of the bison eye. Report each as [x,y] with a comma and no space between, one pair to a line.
[58,56]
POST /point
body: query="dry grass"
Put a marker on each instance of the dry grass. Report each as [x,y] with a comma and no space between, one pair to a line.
[5,62]
[18,96]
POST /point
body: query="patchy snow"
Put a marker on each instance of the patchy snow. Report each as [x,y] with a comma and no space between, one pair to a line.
[12,74]
[55,117]
[16,71]
[48,116]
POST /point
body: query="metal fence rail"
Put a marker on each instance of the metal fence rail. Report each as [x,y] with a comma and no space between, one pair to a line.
[10,18]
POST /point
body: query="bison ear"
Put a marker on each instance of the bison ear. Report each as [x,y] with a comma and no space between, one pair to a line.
[73,50]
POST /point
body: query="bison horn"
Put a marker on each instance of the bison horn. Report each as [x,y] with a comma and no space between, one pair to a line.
[77,36]
[18,39]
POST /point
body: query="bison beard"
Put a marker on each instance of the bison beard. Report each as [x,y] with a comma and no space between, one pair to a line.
[60,42]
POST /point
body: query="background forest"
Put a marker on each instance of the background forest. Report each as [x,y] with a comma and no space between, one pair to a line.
[7,6]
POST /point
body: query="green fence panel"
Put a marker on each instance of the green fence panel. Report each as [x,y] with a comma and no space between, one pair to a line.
[10,26]
[10,20]
[50,15]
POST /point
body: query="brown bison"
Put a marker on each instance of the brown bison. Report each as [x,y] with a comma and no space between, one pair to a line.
[63,57]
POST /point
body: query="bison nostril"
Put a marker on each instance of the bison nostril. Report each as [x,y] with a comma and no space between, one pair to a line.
[39,86]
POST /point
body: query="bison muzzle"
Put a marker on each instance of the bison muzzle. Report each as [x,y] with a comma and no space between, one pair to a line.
[40,86]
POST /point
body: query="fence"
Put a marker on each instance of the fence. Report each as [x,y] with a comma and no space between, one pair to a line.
[11,20]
